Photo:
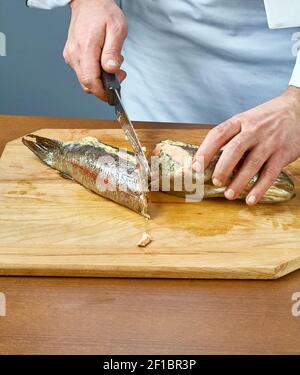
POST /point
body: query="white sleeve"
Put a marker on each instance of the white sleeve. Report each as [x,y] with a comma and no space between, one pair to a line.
[295,79]
[47,4]
[283,13]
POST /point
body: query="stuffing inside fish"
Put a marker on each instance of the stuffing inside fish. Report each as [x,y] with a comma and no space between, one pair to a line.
[106,170]
[175,158]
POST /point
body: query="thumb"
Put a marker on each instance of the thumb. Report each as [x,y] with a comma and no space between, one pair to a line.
[111,58]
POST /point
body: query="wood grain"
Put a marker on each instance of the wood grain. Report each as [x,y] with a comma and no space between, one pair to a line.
[74,232]
[143,316]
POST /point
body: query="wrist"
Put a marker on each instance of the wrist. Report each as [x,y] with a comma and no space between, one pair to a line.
[75,3]
[293,92]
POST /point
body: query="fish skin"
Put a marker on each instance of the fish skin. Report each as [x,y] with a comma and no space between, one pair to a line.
[282,189]
[81,161]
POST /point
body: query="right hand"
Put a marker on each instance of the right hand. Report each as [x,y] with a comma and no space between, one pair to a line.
[97,31]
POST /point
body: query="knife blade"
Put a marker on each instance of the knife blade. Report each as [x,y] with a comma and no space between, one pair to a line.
[113,89]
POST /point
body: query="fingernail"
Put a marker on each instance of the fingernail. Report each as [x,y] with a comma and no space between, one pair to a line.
[217,182]
[113,63]
[197,167]
[229,194]
[87,90]
[251,200]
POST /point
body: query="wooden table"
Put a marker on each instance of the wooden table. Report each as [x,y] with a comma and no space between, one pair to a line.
[135,316]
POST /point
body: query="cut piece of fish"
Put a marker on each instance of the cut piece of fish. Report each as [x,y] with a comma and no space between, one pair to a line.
[101,168]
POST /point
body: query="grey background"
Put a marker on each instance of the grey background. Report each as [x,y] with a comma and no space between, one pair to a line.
[34,79]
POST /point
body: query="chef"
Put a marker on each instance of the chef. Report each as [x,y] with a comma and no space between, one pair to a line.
[231,63]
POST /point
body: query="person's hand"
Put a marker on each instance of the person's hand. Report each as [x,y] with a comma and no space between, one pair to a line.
[269,138]
[96,35]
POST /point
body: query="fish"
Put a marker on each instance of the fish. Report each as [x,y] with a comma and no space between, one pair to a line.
[108,171]
[145,240]
[114,174]
[172,157]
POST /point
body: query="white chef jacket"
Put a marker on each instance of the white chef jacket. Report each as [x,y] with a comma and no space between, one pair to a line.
[205,60]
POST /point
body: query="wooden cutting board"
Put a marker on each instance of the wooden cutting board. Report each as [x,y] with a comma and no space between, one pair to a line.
[52,226]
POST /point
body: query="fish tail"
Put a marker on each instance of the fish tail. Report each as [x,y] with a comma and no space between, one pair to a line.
[43,148]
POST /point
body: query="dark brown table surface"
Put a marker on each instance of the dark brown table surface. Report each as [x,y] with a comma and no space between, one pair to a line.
[140,316]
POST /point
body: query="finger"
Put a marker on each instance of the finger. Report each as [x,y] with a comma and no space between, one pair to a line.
[214,140]
[74,63]
[121,75]
[111,58]
[251,166]
[89,75]
[70,56]
[233,152]
[85,89]
[268,176]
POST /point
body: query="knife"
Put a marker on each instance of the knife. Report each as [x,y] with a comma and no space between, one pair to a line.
[113,89]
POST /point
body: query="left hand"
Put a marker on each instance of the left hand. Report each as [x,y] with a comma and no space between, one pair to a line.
[269,134]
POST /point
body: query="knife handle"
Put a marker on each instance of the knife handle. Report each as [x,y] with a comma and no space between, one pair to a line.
[111,84]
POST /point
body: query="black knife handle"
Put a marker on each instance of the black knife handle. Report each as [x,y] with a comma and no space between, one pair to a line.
[111,84]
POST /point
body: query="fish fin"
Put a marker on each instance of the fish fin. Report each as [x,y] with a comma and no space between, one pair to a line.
[66,176]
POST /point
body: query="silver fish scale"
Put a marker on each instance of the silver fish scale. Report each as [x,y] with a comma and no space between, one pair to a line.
[84,161]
